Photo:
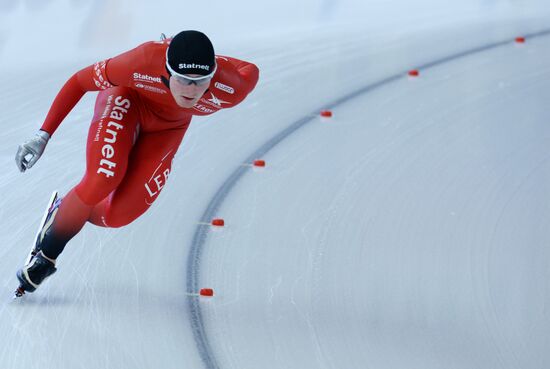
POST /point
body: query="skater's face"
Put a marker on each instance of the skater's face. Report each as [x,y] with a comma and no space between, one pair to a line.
[187,92]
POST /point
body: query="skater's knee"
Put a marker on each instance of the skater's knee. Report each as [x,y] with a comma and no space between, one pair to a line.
[115,224]
[117,218]
[107,220]
[112,214]
[119,215]
[92,190]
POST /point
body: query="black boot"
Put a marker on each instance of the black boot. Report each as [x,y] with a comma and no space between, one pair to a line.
[46,225]
[33,274]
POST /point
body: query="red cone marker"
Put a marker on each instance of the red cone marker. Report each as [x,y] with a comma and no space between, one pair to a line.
[326,114]
[207,292]
[414,73]
[218,222]
[259,163]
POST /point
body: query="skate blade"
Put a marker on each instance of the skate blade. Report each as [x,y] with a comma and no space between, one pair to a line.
[19,292]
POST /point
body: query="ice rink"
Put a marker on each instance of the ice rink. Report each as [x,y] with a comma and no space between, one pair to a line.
[409,230]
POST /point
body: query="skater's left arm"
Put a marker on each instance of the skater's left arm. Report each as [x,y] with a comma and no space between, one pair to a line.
[240,76]
[248,72]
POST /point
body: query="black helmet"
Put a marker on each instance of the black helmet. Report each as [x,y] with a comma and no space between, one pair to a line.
[191,52]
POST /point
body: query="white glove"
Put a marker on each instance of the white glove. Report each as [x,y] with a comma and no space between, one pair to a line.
[29,152]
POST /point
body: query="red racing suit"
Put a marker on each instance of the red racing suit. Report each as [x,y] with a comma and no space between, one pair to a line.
[136,129]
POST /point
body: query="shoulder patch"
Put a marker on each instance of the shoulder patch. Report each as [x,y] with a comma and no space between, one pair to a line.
[224,88]
[100,75]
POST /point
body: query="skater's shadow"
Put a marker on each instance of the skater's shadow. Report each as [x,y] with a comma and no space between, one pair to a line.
[42,299]
[100,296]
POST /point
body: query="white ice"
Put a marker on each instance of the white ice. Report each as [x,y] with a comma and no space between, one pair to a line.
[408,231]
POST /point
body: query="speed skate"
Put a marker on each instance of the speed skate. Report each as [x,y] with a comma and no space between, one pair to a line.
[25,285]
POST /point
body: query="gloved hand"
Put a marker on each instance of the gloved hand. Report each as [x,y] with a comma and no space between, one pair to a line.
[29,152]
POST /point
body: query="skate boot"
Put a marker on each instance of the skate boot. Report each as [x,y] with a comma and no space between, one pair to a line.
[33,274]
[37,266]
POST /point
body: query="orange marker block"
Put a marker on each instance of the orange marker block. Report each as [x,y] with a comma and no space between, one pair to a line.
[218,222]
[326,114]
[520,40]
[207,292]
[414,73]
[259,163]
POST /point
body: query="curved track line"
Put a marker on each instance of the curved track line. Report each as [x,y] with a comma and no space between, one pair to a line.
[201,231]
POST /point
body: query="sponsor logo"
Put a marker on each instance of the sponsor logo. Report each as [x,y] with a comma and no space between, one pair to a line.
[193,66]
[99,76]
[146,78]
[225,88]
[203,108]
[215,101]
[158,179]
[150,88]
[106,166]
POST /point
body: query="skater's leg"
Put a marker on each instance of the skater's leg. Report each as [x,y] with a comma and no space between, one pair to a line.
[69,220]
[148,169]
[110,141]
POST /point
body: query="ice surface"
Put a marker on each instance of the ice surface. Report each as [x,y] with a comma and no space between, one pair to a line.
[408,231]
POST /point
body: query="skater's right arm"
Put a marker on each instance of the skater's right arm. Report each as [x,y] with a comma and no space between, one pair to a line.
[31,150]
[96,77]
[69,95]
[99,76]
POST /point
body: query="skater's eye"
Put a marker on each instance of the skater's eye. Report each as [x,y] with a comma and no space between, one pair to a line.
[187,81]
